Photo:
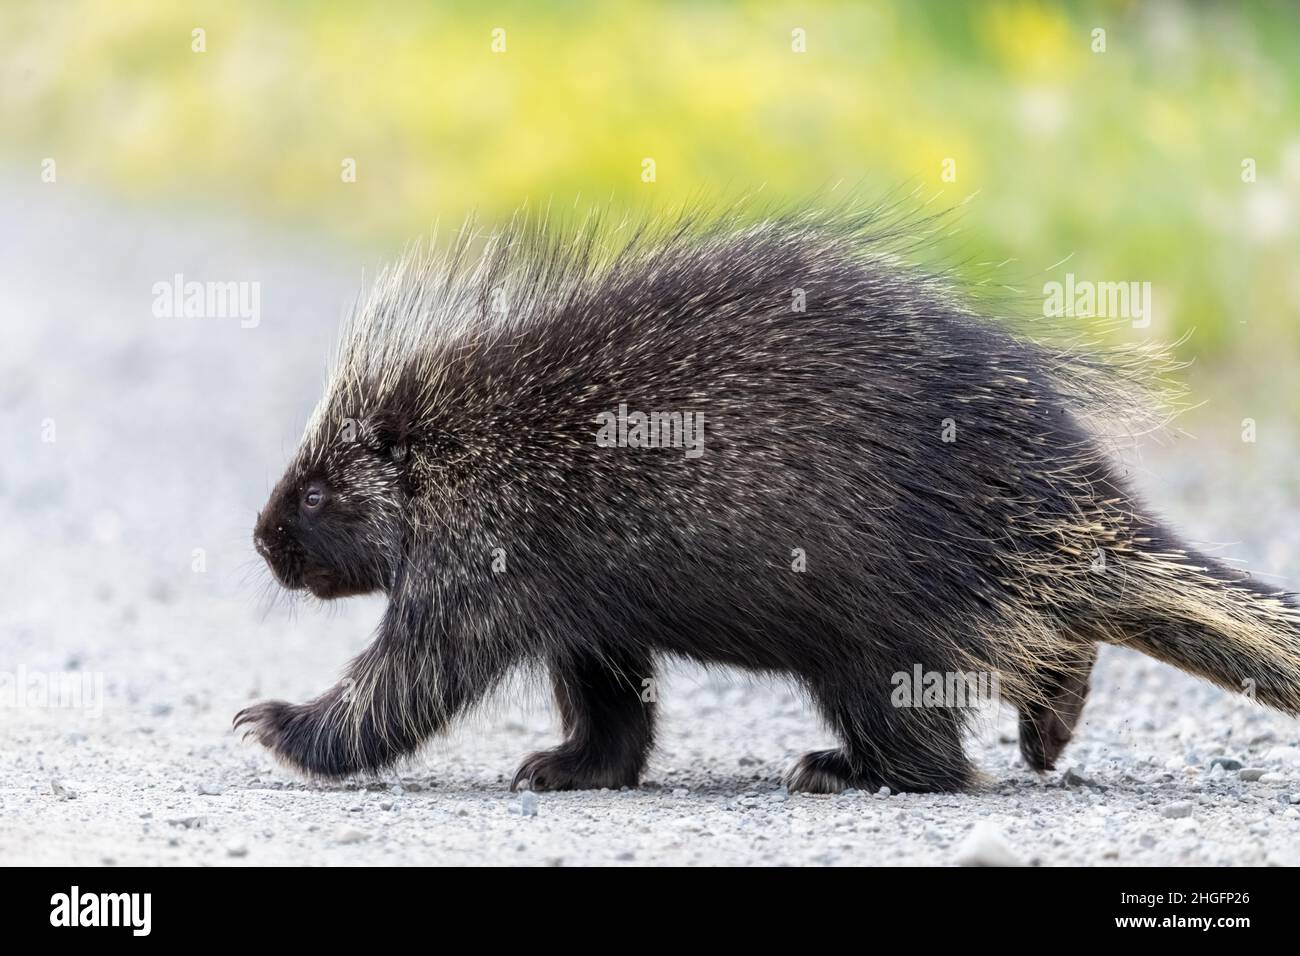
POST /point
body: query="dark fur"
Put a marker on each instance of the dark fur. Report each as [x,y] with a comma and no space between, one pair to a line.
[822,433]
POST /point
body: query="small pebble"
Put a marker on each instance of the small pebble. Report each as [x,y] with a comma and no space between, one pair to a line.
[1073,778]
[1283,755]
[985,845]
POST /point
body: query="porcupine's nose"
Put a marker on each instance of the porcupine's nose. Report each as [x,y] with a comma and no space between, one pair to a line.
[261,543]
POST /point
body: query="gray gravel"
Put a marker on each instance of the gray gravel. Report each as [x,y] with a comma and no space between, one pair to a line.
[168,434]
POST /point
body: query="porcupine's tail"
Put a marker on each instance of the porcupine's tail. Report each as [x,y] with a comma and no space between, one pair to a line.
[1158,595]
[1189,610]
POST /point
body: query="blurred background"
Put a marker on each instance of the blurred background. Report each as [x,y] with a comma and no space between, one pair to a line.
[300,146]
[1124,150]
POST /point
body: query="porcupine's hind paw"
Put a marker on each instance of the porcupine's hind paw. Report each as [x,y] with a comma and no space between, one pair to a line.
[1047,722]
[1043,736]
[565,768]
[831,771]
[296,735]
[821,771]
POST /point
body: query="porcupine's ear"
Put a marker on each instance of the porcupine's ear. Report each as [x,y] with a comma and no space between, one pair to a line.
[391,435]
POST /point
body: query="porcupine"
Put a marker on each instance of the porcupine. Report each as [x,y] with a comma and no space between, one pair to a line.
[885,480]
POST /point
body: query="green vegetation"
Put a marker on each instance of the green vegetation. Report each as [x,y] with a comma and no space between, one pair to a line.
[1128,161]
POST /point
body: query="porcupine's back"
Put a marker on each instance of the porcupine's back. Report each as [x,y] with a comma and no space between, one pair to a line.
[824,437]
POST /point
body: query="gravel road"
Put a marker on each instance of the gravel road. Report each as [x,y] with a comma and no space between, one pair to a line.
[130,578]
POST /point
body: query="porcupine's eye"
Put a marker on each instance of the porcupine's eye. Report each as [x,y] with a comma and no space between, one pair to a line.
[313,498]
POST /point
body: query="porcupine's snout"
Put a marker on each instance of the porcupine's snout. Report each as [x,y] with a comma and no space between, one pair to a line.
[274,541]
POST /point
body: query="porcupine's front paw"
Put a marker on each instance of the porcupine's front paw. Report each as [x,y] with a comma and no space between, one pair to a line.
[266,722]
[297,735]
[565,768]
